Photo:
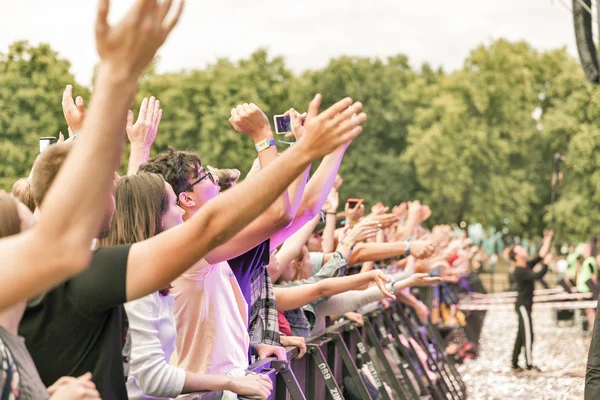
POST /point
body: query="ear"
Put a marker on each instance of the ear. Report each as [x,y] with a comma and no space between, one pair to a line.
[185,200]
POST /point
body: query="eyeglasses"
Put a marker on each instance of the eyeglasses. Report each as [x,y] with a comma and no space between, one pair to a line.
[191,185]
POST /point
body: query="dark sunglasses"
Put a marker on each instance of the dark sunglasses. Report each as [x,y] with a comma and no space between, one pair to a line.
[191,185]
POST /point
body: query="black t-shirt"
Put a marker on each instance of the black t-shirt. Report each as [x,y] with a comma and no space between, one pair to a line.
[245,267]
[81,325]
[524,279]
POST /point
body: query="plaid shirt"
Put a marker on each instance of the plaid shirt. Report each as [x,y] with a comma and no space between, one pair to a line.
[263,324]
[303,319]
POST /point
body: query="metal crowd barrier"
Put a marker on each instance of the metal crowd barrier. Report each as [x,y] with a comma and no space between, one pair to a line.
[406,360]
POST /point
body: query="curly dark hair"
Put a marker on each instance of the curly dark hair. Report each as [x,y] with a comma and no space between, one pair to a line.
[176,167]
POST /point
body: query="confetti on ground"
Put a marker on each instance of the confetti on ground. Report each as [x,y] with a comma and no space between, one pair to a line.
[557,349]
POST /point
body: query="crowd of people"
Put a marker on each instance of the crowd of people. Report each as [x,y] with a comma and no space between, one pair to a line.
[173,278]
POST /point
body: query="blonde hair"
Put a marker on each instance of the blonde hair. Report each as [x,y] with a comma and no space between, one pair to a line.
[226,177]
[10,222]
[22,190]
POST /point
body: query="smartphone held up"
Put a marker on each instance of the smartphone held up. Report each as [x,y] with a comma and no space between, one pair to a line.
[353,202]
[283,124]
[46,142]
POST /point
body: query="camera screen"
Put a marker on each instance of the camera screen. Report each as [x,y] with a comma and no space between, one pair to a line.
[282,124]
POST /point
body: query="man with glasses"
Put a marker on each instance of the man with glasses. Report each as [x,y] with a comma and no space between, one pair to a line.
[246,254]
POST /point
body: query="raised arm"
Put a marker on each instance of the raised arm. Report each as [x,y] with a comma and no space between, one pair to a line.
[290,298]
[154,263]
[250,120]
[59,245]
[380,251]
[143,133]
[546,246]
[293,246]
[330,208]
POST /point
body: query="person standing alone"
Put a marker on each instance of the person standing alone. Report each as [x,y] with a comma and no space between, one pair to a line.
[524,278]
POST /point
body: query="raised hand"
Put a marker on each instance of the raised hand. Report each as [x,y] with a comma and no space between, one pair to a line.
[422,248]
[380,278]
[250,120]
[424,213]
[379,209]
[362,231]
[386,220]
[252,385]
[74,111]
[400,210]
[424,280]
[332,128]
[129,46]
[143,133]
[297,121]
[333,201]
[338,182]
[414,207]
[356,213]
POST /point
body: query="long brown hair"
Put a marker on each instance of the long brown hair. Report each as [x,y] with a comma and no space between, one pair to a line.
[10,222]
[141,200]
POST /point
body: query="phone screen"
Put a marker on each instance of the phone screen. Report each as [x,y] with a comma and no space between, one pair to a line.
[352,203]
[45,142]
[283,124]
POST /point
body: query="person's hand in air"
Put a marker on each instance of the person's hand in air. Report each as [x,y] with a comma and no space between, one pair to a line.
[364,230]
[424,280]
[127,47]
[265,350]
[354,214]
[381,278]
[332,203]
[70,388]
[422,248]
[424,213]
[143,132]
[297,123]
[74,111]
[386,220]
[252,385]
[296,341]
[250,120]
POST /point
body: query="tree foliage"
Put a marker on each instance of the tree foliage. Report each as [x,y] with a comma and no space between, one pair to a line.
[477,143]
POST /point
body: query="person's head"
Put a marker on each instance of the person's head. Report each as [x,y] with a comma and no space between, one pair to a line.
[145,206]
[579,261]
[226,178]
[22,191]
[45,170]
[586,250]
[518,254]
[192,184]
[15,217]
[315,242]
[299,268]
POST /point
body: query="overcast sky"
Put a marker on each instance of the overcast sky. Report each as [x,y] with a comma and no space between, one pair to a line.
[308,33]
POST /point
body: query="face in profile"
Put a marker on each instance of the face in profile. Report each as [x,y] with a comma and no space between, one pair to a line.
[315,243]
[173,215]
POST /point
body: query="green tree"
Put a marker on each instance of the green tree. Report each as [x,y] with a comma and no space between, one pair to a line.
[32,79]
